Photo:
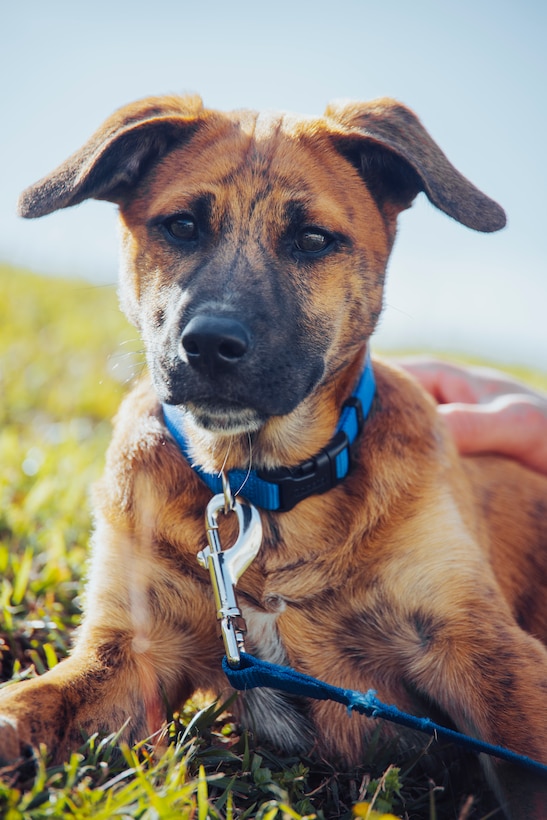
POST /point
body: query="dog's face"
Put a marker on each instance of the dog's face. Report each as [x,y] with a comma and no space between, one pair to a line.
[252,274]
[254,247]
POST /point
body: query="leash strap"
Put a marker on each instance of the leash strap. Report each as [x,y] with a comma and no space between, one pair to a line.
[283,488]
[253,672]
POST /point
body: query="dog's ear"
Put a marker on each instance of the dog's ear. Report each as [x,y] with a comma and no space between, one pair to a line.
[116,156]
[398,159]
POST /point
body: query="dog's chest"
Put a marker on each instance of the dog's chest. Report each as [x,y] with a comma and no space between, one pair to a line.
[276,718]
[263,636]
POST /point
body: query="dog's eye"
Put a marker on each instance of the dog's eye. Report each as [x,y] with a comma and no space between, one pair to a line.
[312,240]
[182,227]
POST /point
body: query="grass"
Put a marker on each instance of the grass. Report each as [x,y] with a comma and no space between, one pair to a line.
[67,357]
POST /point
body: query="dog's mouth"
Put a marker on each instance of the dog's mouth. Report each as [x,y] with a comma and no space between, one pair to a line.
[232,408]
[227,418]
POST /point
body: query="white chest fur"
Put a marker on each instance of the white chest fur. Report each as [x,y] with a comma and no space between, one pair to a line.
[273,716]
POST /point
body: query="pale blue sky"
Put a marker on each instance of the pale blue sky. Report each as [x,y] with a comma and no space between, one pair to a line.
[475,71]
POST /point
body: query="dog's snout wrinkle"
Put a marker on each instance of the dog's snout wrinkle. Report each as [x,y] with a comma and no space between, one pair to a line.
[214,343]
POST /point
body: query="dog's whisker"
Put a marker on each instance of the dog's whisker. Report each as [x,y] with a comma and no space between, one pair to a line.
[126,365]
[249,466]
[222,469]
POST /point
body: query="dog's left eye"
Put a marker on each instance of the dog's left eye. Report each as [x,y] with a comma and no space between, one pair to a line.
[182,227]
[312,240]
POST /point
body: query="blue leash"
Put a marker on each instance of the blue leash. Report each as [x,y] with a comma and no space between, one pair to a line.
[253,672]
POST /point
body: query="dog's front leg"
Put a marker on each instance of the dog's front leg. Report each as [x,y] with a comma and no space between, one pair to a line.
[81,695]
[491,678]
[148,640]
[118,684]
[450,648]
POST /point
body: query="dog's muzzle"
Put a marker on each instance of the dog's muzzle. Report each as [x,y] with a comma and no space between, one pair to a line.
[233,371]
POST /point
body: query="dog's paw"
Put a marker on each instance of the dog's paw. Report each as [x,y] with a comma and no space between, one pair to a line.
[16,755]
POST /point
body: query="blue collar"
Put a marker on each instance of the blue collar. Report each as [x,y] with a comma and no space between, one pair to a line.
[281,489]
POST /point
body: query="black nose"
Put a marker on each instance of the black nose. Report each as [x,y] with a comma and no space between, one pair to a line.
[214,343]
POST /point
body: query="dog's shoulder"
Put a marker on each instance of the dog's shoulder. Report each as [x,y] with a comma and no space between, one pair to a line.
[400,392]
[404,433]
[141,458]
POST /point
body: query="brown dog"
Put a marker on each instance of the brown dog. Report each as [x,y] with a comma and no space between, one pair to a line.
[254,252]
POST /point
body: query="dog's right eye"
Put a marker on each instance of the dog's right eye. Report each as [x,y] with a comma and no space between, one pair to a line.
[181,227]
[313,241]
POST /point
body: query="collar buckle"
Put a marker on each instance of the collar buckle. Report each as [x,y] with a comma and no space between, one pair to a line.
[312,477]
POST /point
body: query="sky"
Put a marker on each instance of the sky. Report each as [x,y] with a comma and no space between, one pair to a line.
[475,72]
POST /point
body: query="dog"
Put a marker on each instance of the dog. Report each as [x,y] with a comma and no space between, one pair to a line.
[254,250]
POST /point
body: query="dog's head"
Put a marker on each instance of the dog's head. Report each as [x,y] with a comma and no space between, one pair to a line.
[255,246]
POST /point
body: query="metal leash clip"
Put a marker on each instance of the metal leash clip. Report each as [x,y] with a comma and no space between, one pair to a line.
[227,566]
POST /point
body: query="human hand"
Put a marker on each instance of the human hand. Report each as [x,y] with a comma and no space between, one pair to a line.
[486,411]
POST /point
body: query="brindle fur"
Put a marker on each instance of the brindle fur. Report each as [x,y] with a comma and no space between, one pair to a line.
[422,575]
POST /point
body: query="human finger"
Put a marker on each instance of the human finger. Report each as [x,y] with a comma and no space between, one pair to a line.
[512,425]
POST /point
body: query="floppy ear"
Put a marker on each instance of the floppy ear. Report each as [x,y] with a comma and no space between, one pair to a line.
[399,159]
[116,156]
